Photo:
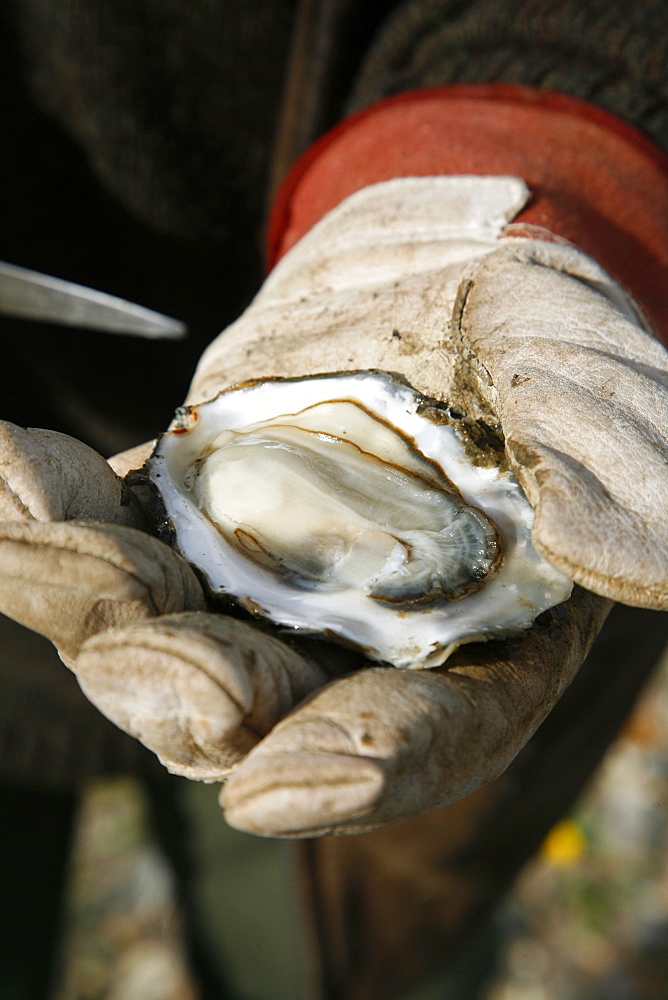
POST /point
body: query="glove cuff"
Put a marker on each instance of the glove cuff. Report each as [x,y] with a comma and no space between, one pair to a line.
[595,180]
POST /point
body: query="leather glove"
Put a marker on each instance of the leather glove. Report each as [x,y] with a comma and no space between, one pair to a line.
[526,339]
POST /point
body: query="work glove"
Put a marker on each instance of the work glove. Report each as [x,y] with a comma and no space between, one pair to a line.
[529,343]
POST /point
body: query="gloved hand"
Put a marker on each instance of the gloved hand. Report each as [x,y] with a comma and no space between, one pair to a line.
[524,338]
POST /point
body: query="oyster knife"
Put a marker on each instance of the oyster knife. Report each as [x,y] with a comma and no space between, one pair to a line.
[32,295]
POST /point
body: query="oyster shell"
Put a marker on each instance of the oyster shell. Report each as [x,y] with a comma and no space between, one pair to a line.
[333,504]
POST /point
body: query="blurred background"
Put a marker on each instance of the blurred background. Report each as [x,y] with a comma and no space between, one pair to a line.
[586,920]
[141,141]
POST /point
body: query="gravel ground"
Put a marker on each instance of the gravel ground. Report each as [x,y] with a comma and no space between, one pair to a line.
[588,919]
[122,938]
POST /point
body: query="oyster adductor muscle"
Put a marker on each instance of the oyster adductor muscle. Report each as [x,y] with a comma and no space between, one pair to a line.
[333,504]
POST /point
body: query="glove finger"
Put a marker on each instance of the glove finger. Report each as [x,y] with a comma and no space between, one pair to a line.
[198,689]
[69,580]
[48,476]
[582,392]
[384,744]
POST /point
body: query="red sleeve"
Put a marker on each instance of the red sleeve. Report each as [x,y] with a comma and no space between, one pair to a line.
[595,180]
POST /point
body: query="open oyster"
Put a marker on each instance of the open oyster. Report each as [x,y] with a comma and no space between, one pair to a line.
[333,504]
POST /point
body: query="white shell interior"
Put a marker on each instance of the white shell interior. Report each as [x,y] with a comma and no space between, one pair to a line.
[511,598]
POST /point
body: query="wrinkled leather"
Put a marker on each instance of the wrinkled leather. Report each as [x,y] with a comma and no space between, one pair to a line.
[412,276]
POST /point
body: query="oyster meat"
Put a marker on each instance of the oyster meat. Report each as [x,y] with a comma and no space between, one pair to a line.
[333,504]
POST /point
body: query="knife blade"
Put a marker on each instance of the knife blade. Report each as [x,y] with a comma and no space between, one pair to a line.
[31,295]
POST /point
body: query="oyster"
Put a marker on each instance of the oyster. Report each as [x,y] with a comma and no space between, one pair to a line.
[333,504]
